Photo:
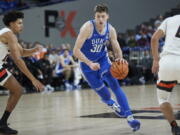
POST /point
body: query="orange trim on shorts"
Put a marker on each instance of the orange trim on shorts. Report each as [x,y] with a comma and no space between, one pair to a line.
[166,85]
[2,73]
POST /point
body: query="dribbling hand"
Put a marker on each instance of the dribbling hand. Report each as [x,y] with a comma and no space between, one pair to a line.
[155,67]
[94,66]
[121,60]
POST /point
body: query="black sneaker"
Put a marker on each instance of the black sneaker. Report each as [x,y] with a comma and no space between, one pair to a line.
[7,130]
[176,130]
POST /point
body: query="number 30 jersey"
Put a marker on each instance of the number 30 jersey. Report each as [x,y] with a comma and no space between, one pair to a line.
[171,28]
[4,50]
[95,47]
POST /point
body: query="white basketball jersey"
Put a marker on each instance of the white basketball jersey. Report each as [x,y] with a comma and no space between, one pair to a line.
[171,28]
[3,47]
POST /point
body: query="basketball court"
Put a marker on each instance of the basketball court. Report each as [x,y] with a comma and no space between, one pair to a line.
[82,113]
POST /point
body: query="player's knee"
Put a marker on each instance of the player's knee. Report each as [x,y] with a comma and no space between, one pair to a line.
[99,88]
[163,96]
[164,89]
[103,92]
[17,92]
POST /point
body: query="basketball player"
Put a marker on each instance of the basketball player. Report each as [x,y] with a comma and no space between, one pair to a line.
[90,49]
[167,65]
[9,45]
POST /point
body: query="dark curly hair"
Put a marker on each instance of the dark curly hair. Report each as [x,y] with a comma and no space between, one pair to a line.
[12,16]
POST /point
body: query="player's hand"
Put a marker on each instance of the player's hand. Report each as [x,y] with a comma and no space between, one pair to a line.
[155,66]
[38,85]
[121,60]
[94,66]
[38,48]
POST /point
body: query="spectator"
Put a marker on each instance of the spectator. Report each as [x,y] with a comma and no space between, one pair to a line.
[64,66]
[77,75]
[40,55]
[53,57]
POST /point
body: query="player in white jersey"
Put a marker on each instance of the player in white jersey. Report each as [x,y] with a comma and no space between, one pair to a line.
[9,45]
[167,65]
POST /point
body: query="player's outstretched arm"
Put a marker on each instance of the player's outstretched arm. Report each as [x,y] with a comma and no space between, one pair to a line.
[154,48]
[29,52]
[155,43]
[115,45]
[84,33]
[16,55]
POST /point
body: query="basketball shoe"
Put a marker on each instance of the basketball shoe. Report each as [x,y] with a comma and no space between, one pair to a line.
[7,130]
[117,109]
[134,124]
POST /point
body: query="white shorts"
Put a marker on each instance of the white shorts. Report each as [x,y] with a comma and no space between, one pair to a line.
[4,75]
[169,68]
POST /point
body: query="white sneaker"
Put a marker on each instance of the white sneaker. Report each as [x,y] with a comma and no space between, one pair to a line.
[117,110]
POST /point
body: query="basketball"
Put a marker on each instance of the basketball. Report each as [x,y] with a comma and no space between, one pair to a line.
[119,70]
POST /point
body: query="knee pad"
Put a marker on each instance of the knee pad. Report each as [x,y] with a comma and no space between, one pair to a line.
[99,88]
[163,96]
[164,89]
[104,94]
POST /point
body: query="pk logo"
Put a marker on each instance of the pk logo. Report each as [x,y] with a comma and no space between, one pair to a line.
[63,23]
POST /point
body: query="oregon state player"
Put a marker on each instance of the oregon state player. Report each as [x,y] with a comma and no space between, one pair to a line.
[9,45]
[167,65]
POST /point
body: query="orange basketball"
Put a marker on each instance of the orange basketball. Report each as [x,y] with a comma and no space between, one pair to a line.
[119,70]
